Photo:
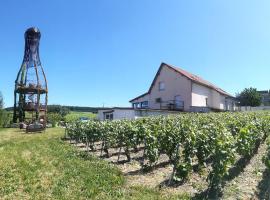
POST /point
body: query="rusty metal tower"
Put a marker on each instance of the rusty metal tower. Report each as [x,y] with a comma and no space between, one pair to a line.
[31,90]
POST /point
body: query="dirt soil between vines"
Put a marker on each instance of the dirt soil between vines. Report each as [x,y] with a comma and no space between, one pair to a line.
[249,181]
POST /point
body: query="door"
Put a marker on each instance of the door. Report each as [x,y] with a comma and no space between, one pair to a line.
[178,102]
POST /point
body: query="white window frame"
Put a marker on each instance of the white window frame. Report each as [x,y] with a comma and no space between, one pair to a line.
[161,86]
[144,104]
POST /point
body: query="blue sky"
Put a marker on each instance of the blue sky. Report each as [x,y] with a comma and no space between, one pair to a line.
[107,52]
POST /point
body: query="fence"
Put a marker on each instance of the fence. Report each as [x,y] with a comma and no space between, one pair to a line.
[249,108]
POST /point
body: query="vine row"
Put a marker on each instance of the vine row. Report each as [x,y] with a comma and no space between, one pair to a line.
[187,139]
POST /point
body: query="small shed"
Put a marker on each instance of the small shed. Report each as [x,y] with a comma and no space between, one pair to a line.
[116,113]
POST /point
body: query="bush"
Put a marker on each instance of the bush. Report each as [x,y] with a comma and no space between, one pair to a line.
[1,101]
[62,110]
[4,116]
[54,118]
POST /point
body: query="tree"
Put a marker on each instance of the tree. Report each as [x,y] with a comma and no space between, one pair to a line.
[3,113]
[62,110]
[249,97]
[54,118]
[1,101]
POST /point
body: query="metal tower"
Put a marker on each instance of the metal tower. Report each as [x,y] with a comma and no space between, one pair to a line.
[31,91]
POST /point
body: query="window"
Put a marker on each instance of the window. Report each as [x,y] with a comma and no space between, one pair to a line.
[206,101]
[158,100]
[178,102]
[136,105]
[161,86]
[108,116]
[144,104]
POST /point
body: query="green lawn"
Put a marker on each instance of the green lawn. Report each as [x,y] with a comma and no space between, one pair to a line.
[73,115]
[42,166]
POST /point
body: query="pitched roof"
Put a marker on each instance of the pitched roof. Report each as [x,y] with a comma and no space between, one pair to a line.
[139,96]
[198,79]
[190,76]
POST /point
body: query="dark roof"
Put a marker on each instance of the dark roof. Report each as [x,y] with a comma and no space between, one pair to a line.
[119,108]
[199,80]
[190,76]
[139,96]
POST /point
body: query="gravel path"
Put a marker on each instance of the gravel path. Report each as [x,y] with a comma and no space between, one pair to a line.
[251,182]
[246,184]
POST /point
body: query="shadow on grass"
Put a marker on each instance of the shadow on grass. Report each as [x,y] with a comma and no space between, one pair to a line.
[233,172]
[264,186]
[172,183]
[240,165]
[116,153]
[148,169]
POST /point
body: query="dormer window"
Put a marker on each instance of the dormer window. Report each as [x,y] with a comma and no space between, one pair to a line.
[161,86]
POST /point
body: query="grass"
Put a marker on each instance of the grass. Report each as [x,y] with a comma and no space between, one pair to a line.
[42,166]
[73,115]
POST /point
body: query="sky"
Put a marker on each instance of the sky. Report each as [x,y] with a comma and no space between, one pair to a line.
[106,52]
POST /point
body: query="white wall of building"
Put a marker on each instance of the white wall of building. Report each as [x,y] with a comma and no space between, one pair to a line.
[123,114]
[193,94]
[214,99]
[249,108]
[134,113]
[175,84]
[200,94]
[100,114]
[117,114]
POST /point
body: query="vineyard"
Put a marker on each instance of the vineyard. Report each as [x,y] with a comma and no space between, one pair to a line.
[217,141]
[267,157]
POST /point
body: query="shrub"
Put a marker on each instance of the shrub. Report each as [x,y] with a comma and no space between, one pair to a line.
[54,118]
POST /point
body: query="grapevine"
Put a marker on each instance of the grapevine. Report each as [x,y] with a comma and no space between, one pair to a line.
[187,139]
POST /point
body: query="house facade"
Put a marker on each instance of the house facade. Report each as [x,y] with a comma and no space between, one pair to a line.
[176,89]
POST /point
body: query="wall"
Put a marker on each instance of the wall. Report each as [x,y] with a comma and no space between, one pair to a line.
[123,114]
[134,114]
[100,115]
[199,95]
[117,114]
[218,100]
[248,108]
[215,99]
[175,84]
[146,113]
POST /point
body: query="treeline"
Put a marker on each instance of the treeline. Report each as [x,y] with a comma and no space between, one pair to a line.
[70,108]
[83,109]
[56,113]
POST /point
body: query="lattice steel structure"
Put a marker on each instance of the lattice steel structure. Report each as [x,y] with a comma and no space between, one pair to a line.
[31,90]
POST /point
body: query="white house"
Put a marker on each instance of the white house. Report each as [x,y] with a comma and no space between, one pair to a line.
[176,89]
[173,90]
